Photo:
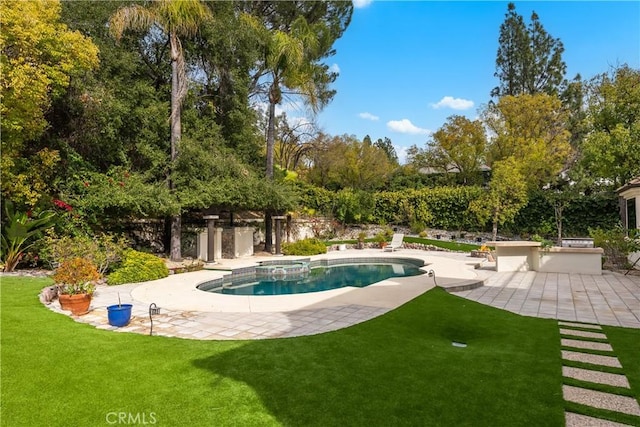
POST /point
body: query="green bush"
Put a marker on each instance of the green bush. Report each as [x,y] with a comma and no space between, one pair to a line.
[304,247]
[104,250]
[616,245]
[138,267]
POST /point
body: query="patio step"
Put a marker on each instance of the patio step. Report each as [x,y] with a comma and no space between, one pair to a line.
[586,396]
[464,285]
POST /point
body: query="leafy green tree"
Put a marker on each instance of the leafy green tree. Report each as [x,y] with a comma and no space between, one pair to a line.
[345,162]
[611,151]
[532,130]
[39,57]
[529,60]
[507,194]
[387,146]
[223,68]
[176,20]
[458,148]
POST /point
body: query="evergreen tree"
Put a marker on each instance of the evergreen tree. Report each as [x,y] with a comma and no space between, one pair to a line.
[529,60]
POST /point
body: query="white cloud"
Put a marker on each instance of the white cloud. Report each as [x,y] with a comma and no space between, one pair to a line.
[334,68]
[454,103]
[359,4]
[368,116]
[401,152]
[405,126]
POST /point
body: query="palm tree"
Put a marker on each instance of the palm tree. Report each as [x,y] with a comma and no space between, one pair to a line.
[291,63]
[176,19]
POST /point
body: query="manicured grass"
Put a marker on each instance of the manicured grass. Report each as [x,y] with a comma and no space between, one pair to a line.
[626,345]
[454,246]
[397,369]
[451,245]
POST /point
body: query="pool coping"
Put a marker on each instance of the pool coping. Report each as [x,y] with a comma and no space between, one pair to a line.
[179,292]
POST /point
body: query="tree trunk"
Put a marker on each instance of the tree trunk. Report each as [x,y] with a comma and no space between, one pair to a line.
[558,210]
[175,253]
[176,234]
[495,226]
[271,130]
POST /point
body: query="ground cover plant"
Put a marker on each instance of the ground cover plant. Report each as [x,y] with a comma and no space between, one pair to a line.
[397,369]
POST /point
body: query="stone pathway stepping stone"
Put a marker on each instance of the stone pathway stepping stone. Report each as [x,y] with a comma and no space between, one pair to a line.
[601,400]
[591,358]
[590,345]
[585,334]
[598,377]
[579,325]
[578,420]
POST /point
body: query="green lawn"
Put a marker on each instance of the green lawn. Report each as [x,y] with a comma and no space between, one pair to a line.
[397,369]
[446,244]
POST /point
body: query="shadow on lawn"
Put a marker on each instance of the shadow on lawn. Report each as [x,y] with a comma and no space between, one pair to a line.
[401,368]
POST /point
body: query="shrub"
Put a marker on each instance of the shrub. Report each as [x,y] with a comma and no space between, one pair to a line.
[103,250]
[417,227]
[616,245]
[76,276]
[138,267]
[304,247]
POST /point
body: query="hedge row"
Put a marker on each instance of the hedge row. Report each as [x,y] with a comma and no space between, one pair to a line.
[447,208]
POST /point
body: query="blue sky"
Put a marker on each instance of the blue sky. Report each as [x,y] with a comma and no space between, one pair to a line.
[405,66]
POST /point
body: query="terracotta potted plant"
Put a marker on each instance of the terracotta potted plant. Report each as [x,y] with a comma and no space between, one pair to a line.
[76,279]
[381,239]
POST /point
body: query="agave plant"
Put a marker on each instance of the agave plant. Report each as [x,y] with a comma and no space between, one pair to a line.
[20,232]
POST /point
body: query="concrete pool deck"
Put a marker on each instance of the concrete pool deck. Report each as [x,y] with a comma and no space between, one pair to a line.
[187,312]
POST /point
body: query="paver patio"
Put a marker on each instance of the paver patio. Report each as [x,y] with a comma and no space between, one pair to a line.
[610,299]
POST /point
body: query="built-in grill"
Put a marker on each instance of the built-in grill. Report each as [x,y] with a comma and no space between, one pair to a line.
[577,242]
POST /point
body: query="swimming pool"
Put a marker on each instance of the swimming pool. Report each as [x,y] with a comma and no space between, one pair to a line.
[278,280]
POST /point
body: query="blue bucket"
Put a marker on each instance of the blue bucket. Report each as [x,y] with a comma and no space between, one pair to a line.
[119,314]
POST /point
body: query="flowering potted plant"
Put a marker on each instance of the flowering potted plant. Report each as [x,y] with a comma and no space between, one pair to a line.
[76,279]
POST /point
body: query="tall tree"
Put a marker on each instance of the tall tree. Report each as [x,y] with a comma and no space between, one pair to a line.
[459,146]
[529,60]
[507,194]
[176,19]
[223,67]
[297,36]
[345,162]
[611,151]
[387,146]
[39,57]
[531,129]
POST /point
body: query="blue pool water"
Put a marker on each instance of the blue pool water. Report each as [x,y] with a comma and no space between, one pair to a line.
[318,279]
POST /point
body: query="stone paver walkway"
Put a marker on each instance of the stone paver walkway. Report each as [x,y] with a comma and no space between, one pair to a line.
[587,394]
